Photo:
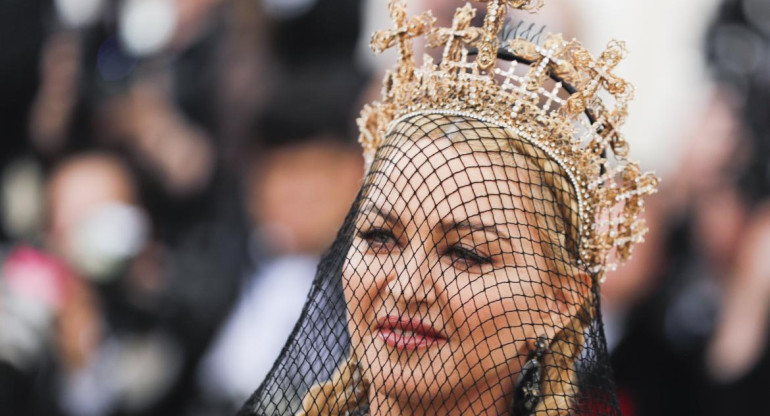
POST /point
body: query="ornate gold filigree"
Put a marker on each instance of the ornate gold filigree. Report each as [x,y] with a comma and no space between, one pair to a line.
[455,38]
[562,100]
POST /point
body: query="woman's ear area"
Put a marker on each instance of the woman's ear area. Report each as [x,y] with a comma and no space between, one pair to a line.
[569,295]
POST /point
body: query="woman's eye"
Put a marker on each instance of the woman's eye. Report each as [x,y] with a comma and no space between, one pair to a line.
[466,257]
[378,238]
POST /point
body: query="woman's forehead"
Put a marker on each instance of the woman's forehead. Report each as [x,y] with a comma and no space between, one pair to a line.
[436,177]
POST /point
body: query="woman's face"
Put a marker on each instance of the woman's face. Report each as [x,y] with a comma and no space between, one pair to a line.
[446,283]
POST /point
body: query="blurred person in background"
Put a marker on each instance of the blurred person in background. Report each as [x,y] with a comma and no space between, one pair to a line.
[69,303]
[704,311]
[297,154]
[113,357]
[117,74]
[300,175]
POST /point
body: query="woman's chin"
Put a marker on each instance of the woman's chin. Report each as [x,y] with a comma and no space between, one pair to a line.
[408,387]
[411,375]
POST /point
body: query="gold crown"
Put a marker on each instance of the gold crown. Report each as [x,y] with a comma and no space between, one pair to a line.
[556,96]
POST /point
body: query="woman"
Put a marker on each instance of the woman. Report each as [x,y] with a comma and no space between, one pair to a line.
[465,278]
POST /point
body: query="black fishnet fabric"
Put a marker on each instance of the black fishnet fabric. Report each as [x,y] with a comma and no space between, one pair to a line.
[459,253]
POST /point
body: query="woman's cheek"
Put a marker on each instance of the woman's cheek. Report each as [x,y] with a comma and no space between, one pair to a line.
[470,313]
[367,287]
[354,284]
[497,311]
[477,299]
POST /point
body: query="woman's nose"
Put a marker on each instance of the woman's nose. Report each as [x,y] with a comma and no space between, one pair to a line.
[413,281]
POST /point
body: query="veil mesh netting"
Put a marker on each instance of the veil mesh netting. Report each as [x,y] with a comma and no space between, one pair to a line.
[451,289]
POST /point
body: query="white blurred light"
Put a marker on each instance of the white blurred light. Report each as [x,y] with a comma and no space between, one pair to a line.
[108,237]
[78,13]
[21,199]
[147,26]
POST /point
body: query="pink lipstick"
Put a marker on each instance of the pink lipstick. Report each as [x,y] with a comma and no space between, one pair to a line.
[408,334]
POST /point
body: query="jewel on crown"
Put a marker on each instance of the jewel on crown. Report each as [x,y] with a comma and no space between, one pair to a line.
[554,95]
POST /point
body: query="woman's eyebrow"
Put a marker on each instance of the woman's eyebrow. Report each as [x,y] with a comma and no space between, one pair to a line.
[389,216]
[474,225]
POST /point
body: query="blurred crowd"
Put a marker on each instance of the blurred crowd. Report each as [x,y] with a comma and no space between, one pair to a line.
[172,170]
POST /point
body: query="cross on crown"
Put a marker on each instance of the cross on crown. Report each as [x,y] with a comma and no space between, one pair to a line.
[405,30]
[461,33]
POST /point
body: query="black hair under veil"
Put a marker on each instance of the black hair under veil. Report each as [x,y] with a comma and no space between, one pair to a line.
[452,288]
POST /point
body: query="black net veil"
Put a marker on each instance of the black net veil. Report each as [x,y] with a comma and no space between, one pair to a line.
[453,288]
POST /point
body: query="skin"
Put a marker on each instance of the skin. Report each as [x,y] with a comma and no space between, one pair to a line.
[282,185]
[80,185]
[449,238]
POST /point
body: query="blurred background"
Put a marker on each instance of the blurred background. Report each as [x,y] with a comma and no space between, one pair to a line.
[172,170]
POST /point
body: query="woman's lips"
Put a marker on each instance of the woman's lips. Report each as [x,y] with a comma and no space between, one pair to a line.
[407,334]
